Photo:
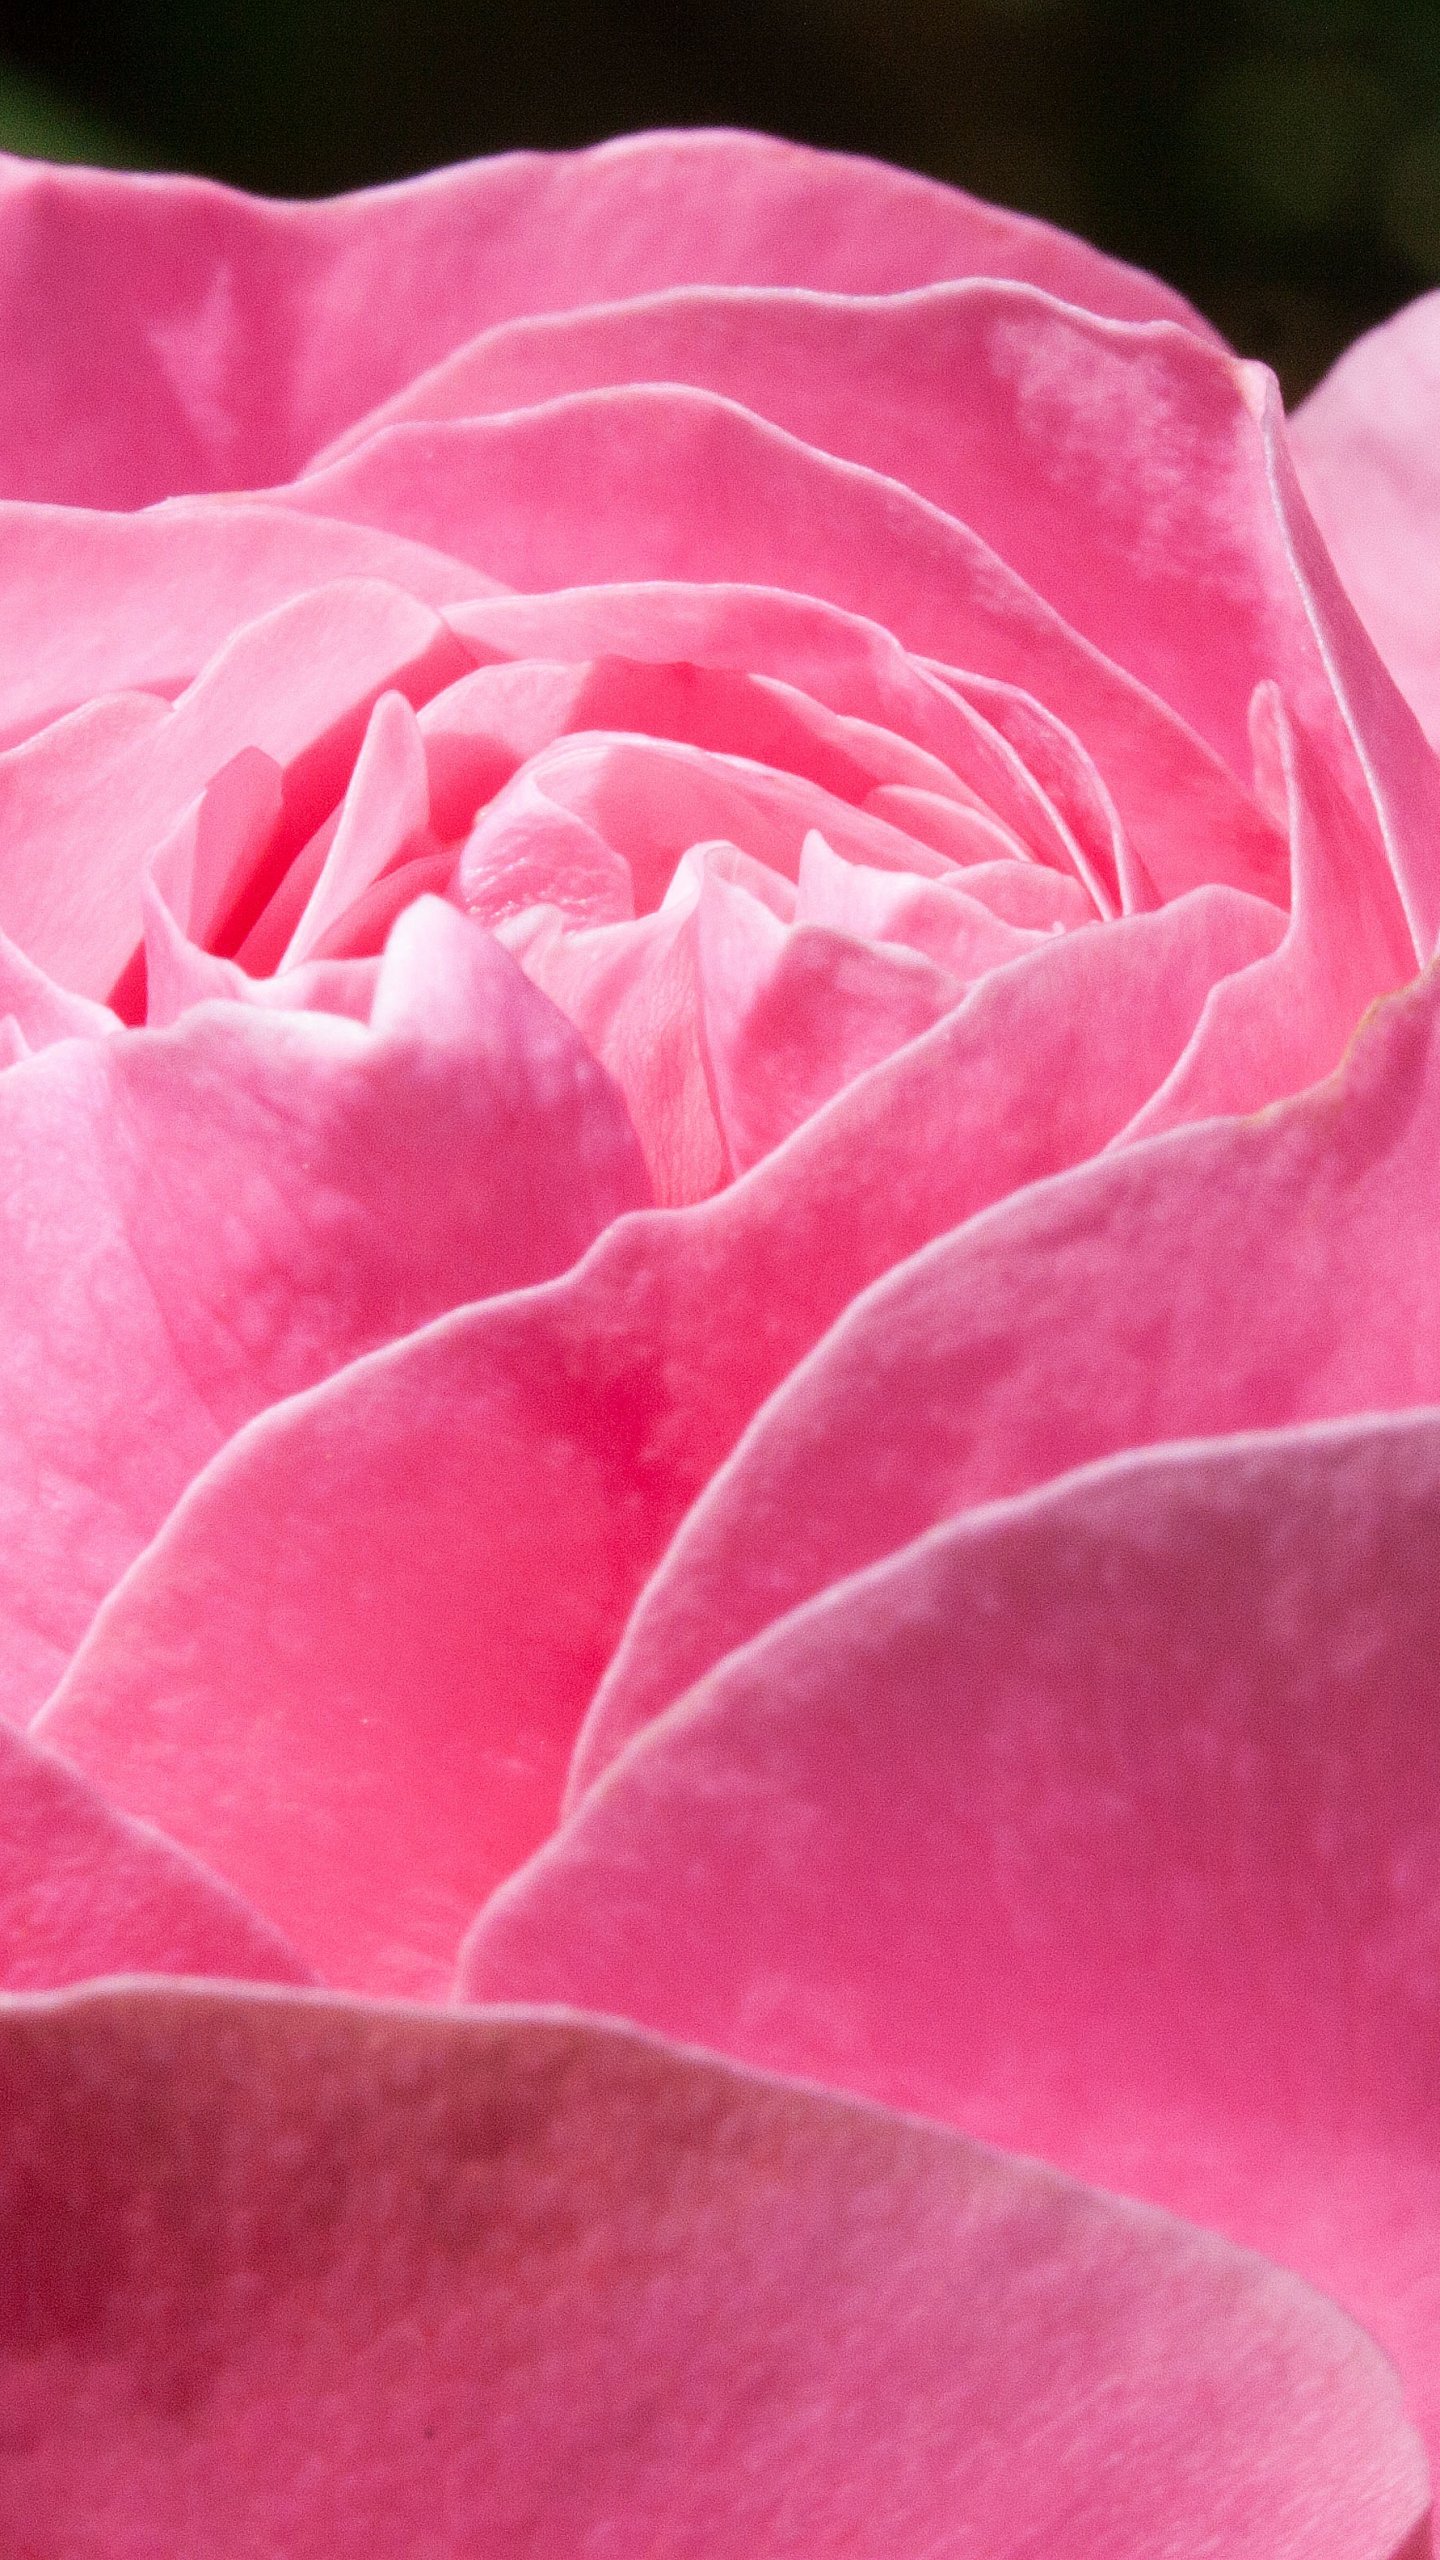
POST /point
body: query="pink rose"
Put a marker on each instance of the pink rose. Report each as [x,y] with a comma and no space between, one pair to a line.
[720,1469]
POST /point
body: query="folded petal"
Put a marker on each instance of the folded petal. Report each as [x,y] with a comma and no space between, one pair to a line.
[1103,1824]
[86,803]
[662,482]
[104,604]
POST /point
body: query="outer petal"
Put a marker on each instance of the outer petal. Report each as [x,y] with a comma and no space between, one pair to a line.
[1365,448]
[168,335]
[401,1590]
[198,1221]
[1105,1823]
[1228,1276]
[284,2276]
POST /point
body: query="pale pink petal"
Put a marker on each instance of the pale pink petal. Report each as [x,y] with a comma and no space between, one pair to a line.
[285,2275]
[1400,771]
[179,975]
[401,1590]
[84,805]
[480,730]
[102,604]
[384,821]
[633,994]
[40,1010]
[169,335]
[1269,1030]
[661,482]
[84,1891]
[1365,449]
[791,1014]
[957,932]
[1103,1824]
[200,1220]
[587,800]
[1230,1275]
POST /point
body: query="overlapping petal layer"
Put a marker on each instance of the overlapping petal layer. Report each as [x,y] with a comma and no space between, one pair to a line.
[539,2283]
[706,675]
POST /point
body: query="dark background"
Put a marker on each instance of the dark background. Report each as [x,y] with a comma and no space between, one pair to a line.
[1279,160]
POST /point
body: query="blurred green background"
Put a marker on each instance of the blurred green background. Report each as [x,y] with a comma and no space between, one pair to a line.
[1279,160]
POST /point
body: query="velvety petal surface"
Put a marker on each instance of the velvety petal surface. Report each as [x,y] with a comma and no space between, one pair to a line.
[1104,1823]
[530,2282]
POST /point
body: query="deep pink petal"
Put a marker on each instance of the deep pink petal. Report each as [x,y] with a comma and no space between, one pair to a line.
[284,2275]
[85,1892]
[1103,1824]
[1229,1276]
[167,334]
[198,1221]
[391,1600]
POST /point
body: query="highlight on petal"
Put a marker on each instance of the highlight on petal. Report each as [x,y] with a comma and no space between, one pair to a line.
[169,334]
[196,1222]
[542,2281]
[1101,1823]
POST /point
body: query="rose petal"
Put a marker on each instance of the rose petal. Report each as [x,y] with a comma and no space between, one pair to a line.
[84,1892]
[1364,447]
[198,1221]
[401,1590]
[1269,1030]
[533,2279]
[792,1014]
[84,805]
[1232,1275]
[662,482]
[170,335]
[102,604]
[1045,429]
[1102,1823]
